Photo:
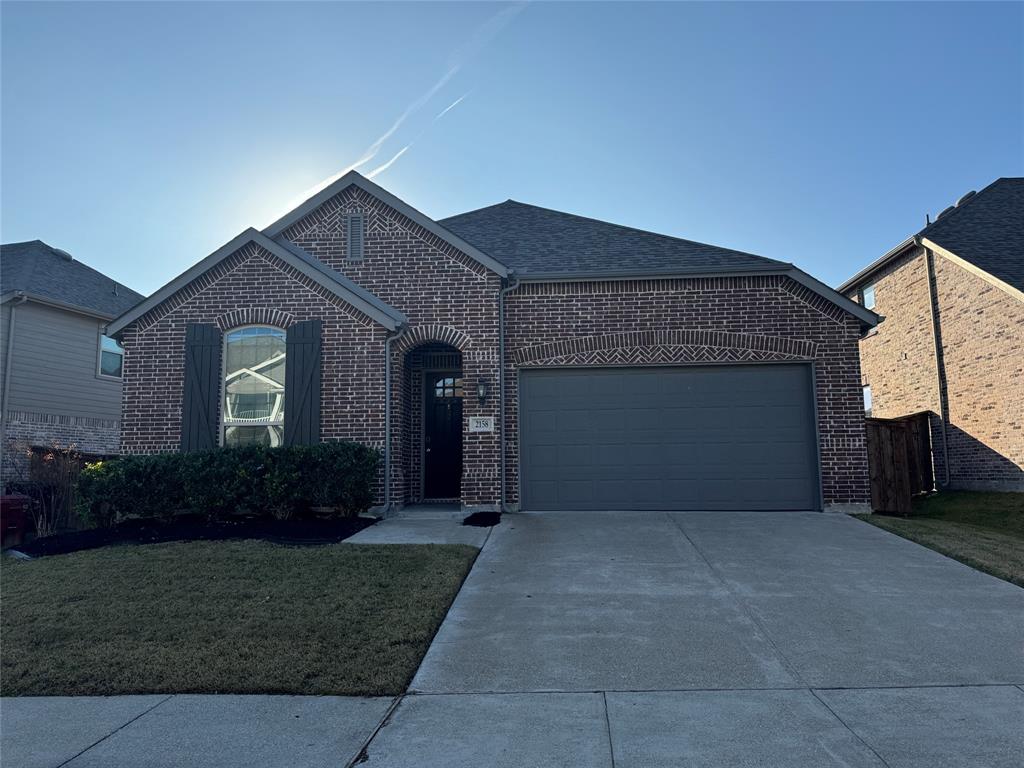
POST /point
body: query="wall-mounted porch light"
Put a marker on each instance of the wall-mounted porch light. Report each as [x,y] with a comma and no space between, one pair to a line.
[482,389]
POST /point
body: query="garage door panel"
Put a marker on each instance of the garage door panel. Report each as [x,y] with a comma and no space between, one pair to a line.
[702,437]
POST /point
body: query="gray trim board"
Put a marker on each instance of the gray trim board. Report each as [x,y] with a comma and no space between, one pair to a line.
[866,316]
[354,178]
[341,286]
[56,304]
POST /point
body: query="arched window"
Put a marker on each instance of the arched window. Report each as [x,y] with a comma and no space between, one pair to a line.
[253,412]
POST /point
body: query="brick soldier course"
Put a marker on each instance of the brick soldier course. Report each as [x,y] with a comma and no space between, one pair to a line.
[433,293]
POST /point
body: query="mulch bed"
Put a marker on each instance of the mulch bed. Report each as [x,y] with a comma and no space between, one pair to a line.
[196,528]
[483,519]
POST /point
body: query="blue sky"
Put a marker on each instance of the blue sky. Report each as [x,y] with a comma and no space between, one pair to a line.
[142,136]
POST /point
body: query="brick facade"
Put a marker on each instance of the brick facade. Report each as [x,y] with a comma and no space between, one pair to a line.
[251,286]
[701,320]
[447,296]
[452,305]
[977,377]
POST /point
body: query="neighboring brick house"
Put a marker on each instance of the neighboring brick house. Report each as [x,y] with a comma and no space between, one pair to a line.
[952,342]
[535,360]
[61,376]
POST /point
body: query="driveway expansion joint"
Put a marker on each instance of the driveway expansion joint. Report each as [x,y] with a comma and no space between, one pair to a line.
[116,730]
[856,735]
[363,754]
[740,602]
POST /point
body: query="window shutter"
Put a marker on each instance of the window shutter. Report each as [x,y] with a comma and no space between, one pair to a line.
[202,388]
[302,384]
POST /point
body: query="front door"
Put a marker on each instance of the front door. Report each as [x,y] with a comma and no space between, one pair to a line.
[442,436]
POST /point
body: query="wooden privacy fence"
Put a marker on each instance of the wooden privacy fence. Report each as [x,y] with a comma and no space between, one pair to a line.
[899,462]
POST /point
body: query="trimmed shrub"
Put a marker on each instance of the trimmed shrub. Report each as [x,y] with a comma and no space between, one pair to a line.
[247,481]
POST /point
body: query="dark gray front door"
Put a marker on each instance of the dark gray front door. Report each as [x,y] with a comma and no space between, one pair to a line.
[442,436]
[723,437]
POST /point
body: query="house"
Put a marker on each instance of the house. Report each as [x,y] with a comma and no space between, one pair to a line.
[61,375]
[953,338]
[511,357]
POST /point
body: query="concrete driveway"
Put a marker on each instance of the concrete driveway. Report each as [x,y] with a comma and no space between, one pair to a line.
[627,641]
[708,639]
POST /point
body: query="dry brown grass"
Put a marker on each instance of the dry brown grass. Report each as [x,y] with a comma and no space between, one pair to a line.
[982,530]
[224,617]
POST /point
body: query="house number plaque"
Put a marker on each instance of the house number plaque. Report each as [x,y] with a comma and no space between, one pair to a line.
[481,423]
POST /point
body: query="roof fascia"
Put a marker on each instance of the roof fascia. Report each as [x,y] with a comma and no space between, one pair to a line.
[640,274]
[866,316]
[35,298]
[877,264]
[973,269]
[354,178]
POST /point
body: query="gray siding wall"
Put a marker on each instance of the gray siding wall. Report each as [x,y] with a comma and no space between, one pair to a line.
[5,323]
[54,365]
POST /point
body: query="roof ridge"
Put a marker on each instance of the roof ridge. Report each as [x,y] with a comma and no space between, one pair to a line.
[965,204]
[476,210]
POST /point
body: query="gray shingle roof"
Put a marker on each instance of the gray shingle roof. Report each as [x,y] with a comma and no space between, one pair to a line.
[987,230]
[38,269]
[538,241]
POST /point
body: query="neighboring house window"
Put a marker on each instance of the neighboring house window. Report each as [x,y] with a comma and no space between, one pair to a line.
[867,400]
[867,296]
[254,362]
[111,357]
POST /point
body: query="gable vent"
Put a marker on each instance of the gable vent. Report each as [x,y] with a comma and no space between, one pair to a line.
[354,247]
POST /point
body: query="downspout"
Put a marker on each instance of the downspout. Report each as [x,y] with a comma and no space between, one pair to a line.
[940,364]
[21,299]
[509,284]
[387,414]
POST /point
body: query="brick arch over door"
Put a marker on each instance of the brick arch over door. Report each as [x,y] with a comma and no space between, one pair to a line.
[480,452]
[418,335]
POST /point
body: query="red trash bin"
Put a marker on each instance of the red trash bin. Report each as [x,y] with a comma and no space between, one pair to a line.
[13,519]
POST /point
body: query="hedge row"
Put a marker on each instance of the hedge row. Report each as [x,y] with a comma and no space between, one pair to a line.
[277,482]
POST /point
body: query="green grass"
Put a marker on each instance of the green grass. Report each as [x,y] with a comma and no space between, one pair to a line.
[982,530]
[224,617]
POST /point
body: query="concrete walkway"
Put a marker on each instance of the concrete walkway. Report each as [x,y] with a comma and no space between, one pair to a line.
[628,640]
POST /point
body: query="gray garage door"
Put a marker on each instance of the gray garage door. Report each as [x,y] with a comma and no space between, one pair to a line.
[725,437]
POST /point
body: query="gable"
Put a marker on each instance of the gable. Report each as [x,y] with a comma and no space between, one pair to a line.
[303,266]
[320,217]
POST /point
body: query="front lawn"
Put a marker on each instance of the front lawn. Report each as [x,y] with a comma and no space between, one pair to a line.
[983,530]
[224,617]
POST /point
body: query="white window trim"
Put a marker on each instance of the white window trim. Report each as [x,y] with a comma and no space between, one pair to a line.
[874,296]
[99,359]
[274,420]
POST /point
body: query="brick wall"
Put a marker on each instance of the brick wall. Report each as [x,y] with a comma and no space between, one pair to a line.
[983,355]
[24,430]
[447,297]
[702,320]
[451,299]
[898,357]
[251,286]
[981,352]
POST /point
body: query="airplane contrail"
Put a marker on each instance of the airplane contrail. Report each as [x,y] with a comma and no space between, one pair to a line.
[388,164]
[476,43]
